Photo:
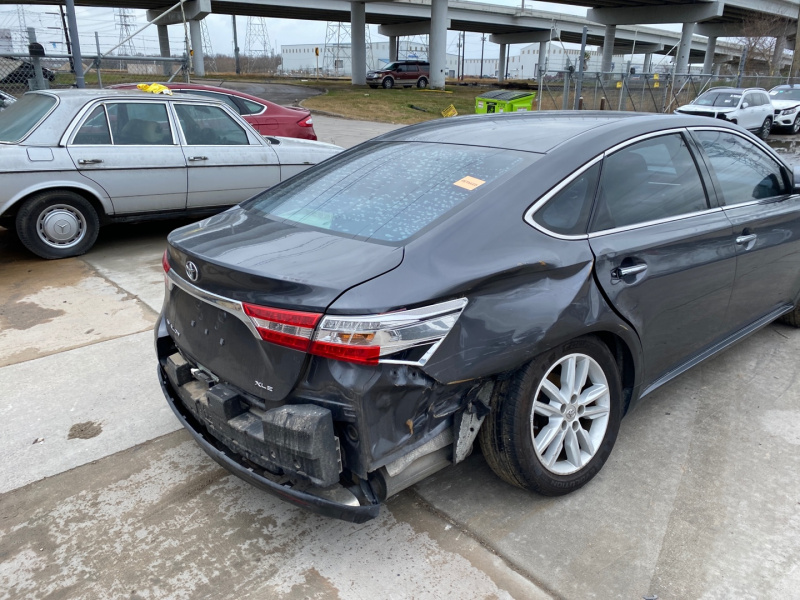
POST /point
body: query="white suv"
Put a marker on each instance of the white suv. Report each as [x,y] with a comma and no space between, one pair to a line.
[751,108]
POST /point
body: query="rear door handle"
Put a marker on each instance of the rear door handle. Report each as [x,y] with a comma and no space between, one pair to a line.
[195,158]
[632,270]
[744,239]
[89,161]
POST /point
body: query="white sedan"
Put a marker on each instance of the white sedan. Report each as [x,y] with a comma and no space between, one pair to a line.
[73,160]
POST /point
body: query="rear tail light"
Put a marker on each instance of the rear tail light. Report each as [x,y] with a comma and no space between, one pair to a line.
[306,122]
[288,328]
[165,261]
[365,339]
[358,339]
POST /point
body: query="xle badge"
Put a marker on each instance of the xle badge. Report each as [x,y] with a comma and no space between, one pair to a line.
[264,387]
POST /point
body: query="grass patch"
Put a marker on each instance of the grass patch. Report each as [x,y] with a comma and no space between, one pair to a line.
[399,105]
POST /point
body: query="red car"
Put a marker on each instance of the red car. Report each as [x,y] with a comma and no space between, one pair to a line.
[266,117]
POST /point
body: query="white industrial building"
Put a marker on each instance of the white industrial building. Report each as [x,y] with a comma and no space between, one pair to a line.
[335,59]
[525,64]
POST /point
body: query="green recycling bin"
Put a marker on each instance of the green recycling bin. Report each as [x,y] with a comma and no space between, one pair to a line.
[498,101]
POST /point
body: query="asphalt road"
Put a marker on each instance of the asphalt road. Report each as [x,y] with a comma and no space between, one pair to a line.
[280,93]
[103,496]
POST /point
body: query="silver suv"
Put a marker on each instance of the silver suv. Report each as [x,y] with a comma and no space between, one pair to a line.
[751,108]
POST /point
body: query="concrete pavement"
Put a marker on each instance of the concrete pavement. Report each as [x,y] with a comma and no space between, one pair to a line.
[102,496]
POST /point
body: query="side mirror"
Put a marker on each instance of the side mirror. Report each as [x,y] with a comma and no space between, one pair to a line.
[796,180]
[745,104]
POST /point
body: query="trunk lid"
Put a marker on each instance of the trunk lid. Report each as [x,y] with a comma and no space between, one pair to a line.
[252,259]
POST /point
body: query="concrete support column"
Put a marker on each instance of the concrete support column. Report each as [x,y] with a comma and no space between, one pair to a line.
[501,71]
[163,46]
[358,49]
[717,68]
[542,60]
[682,67]
[392,48]
[777,55]
[608,48]
[708,63]
[437,51]
[648,63]
[196,36]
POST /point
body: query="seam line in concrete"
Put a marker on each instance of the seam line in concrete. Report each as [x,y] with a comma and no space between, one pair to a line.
[483,542]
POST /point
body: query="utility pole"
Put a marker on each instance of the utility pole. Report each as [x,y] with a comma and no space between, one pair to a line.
[66,38]
[76,45]
[463,52]
[236,46]
[796,56]
[483,41]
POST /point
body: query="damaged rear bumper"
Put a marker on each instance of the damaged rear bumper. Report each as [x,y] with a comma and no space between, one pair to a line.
[237,466]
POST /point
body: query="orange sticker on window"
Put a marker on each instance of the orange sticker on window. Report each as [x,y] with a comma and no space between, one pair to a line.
[469,183]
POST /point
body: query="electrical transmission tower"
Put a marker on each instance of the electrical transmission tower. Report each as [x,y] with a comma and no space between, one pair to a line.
[337,51]
[21,40]
[415,47]
[126,22]
[208,52]
[257,45]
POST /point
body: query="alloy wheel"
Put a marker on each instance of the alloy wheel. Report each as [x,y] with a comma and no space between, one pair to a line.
[570,416]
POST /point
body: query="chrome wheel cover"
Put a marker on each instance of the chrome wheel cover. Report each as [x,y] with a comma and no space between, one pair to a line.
[570,414]
[61,226]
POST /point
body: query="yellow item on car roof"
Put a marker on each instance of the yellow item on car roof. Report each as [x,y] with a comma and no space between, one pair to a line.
[155,88]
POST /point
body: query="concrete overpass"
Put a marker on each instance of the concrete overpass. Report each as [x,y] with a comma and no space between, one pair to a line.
[616,25]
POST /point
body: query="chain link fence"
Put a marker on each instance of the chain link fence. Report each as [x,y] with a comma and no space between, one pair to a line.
[642,92]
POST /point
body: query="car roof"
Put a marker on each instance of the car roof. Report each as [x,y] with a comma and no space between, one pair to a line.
[735,90]
[541,132]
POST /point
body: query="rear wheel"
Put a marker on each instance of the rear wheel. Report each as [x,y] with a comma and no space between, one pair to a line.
[57,224]
[795,126]
[766,126]
[388,83]
[422,83]
[554,424]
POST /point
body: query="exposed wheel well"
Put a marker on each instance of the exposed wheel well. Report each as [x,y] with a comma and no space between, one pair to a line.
[624,359]
[88,196]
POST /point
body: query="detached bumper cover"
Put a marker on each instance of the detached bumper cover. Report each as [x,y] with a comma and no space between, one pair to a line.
[233,463]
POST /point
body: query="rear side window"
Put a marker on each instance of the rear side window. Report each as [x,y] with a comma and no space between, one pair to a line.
[567,212]
[388,191]
[250,107]
[744,171]
[651,180]
[139,124]
[209,126]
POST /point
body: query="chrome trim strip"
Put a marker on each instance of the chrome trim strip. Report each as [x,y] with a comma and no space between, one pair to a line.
[233,307]
[654,222]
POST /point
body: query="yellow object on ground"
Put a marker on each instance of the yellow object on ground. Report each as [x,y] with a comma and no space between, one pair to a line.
[450,111]
[155,88]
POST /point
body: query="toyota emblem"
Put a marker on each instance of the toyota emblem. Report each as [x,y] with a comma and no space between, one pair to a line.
[191,270]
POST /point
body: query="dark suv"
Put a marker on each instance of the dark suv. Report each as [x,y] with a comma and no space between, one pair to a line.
[401,72]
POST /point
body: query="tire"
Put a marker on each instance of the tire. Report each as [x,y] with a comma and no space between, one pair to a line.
[57,224]
[794,128]
[519,418]
[766,127]
[422,83]
[388,83]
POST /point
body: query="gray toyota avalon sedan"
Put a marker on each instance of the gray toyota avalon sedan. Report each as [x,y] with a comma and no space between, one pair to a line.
[520,279]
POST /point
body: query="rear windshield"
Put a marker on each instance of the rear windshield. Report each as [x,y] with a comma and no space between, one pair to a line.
[19,119]
[729,99]
[388,191]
